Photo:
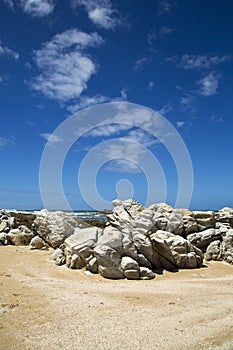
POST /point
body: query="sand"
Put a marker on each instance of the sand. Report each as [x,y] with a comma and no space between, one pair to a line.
[44,306]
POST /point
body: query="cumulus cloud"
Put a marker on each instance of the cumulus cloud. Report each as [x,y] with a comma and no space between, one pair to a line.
[100,12]
[198,61]
[208,84]
[64,68]
[126,156]
[5,51]
[38,8]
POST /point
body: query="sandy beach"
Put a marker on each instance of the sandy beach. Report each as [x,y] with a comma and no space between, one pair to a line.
[49,307]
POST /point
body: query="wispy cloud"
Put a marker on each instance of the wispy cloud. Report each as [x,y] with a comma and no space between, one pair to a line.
[150,85]
[216,119]
[5,142]
[198,61]
[51,138]
[5,51]
[164,31]
[165,109]
[180,124]
[164,7]
[187,102]
[65,69]
[37,8]
[100,12]
[209,84]
[87,101]
[141,62]
[9,3]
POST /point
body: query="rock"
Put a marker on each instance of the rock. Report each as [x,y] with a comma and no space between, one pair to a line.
[203,239]
[190,224]
[128,263]
[225,215]
[205,219]
[3,238]
[38,243]
[20,236]
[82,237]
[108,262]
[57,253]
[214,251]
[55,227]
[112,237]
[144,246]
[146,274]
[175,224]
[160,245]
[227,246]
[124,213]
[132,274]
[3,225]
[184,254]
[92,265]
[76,262]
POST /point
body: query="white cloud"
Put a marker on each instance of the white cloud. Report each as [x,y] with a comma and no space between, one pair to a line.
[142,137]
[150,85]
[100,12]
[140,63]
[65,69]
[125,155]
[38,8]
[87,101]
[1,79]
[5,51]
[164,7]
[216,119]
[165,109]
[5,142]
[180,124]
[123,93]
[165,31]
[198,61]
[187,101]
[9,3]
[208,84]
[51,138]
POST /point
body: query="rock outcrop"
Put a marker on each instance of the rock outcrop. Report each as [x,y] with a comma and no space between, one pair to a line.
[136,243]
[55,227]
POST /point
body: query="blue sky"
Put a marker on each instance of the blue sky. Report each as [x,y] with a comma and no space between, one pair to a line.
[59,57]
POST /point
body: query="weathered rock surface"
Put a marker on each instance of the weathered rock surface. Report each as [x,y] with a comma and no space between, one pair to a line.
[55,227]
[204,238]
[136,243]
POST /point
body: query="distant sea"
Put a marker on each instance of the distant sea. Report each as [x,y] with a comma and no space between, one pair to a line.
[82,214]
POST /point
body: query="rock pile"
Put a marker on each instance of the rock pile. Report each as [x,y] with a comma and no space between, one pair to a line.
[137,242]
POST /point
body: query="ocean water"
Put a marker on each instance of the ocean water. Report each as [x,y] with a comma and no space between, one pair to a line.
[81,214]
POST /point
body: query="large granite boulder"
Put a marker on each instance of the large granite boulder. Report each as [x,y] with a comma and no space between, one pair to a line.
[55,227]
[204,238]
[176,252]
